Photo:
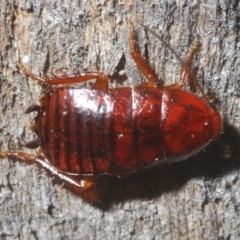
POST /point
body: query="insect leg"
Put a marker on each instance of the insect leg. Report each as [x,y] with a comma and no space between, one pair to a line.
[30,74]
[20,155]
[187,72]
[101,79]
[73,181]
[142,64]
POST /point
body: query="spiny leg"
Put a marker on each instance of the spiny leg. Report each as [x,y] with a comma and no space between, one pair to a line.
[71,179]
[142,64]
[101,79]
[187,71]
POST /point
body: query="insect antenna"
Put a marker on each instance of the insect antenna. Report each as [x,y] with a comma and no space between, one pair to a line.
[163,41]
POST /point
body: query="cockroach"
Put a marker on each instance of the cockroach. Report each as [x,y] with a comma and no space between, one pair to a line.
[86,132]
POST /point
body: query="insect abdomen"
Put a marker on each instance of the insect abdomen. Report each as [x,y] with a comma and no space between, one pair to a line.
[89,131]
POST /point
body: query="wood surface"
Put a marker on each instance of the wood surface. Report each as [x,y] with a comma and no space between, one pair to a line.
[194,199]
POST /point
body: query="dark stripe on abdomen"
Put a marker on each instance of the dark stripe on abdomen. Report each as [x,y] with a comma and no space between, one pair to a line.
[43,125]
[53,113]
[65,114]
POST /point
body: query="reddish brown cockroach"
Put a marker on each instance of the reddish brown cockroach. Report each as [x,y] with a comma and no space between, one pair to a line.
[92,131]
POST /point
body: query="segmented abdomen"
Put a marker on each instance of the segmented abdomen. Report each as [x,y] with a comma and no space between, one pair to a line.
[89,131]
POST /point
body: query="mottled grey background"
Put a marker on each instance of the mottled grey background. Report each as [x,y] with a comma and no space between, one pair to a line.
[194,199]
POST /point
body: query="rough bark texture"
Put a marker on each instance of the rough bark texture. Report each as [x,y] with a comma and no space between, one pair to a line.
[194,199]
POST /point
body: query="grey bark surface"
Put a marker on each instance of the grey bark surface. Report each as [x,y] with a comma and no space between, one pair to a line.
[194,199]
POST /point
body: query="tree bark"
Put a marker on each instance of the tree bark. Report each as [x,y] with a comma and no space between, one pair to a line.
[194,199]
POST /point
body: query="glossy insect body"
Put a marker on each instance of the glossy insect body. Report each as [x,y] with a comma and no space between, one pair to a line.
[89,131]
[95,131]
